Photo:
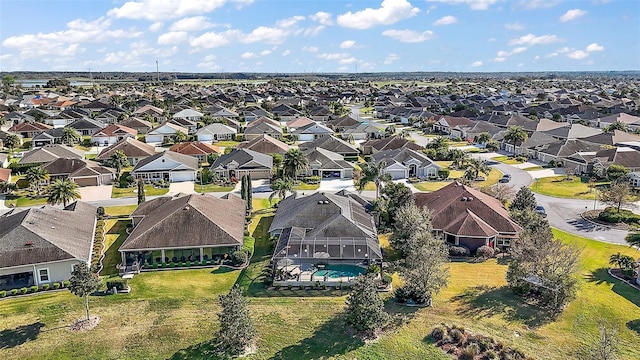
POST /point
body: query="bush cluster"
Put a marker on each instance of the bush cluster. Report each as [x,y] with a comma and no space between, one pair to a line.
[467,346]
[611,215]
[485,252]
[458,250]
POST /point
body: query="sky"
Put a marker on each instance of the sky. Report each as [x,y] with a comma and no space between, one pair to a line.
[300,36]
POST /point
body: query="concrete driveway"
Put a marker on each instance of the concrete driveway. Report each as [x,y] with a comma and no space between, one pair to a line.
[95,193]
[185,187]
[335,185]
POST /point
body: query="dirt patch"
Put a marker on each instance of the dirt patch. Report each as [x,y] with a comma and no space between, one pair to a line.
[84,324]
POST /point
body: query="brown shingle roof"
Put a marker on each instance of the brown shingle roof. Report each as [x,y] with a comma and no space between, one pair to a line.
[194,148]
[130,147]
[265,144]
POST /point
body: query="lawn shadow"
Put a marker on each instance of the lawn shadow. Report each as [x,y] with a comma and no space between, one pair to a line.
[634,325]
[333,338]
[204,350]
[485,301]
[222,270]
[601,276]
[10,338]
[119,227]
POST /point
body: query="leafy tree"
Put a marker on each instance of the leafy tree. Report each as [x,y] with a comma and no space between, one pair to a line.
[365,308]
[35,175]
[395,196]
[11,141]
[617,172]
[63,191]
[141,193]
[372,172]
[294,163]
[118,160]
[243,187]
[425,271]
[515,136]
[236,328]
[503,192]
[83,283]
[524,200]
[617,195]
[616,125]
[412,223]
[280,188]
[474,167]
[70,136]
[8,81]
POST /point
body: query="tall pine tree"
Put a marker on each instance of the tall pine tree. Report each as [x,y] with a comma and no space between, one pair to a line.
[524,200]
[236,328]
[243,187]
[141,195]
[249,195]
[365,308]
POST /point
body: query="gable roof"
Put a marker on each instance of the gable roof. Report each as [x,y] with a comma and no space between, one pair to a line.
[182,159]
[242,157]
[265,144]
[194,148]
[330,143]
[392,142]
[48,153]
[401,156]
[129,146]
[216,128]
[184,221]
[320,158]
[113,129]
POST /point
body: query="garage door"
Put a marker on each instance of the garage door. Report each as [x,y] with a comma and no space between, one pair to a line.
[331,174]
[397,174]
[182,176]
[92,181]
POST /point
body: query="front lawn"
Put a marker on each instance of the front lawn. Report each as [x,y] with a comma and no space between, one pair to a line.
[305,186]
[494,176]
[507,160]
[429,186]
[20,199]
[534,168]
[149,190]
[558,186]
[207,188]
[226,143]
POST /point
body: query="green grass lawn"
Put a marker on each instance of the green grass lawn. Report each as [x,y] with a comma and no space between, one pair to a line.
[559,187]
[305,186]
[431,185]
[21,199]
[149,190]
[211,188]
[90,156]
[507,160]
[172,314]
[114,237]
[491,179]
[227,143]
[534,168]
[123,210]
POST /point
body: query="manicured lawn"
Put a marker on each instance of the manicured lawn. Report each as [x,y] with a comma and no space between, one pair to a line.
[90,156]
[457,143]
[149,190]
[506,160]
[305,186]
[431,185]
[533,168]
[114,237]
[227,143]
[491,179]
[559,187]
[212,188]
[19,200]
[453,173]
[172,314]
[371,186]
[123,210]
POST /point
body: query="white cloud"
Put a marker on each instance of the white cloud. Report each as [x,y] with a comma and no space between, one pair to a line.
[242,3]
[445,20]
[514,26]
[172,37]
[531,39]
[473,4]
[578,54]
[322,17]
[594,47]
[155,10]
[476,63]
[195,23]
[389,12]
[334,56]
[265,52]
[156,26]
[211,40]
[209,62]
[286,52]
[390,59]
[248,55]
[314,30]
[265,34]
[310,48]
[537,4]
[290,22]
[347,44]
[572,14]
[408,36]
[499,59]
[518,50]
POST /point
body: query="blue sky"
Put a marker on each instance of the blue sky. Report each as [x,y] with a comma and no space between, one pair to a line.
[320,36]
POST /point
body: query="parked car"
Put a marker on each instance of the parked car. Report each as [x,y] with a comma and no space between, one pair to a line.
[505,178]
[540,210]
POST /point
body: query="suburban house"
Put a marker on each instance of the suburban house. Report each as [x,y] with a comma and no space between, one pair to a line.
[83,172]
[188,114]
[240,162]
[312,131]
[298,123]
[216,132]
[134,150]
[265,144]
[362,131]
[344,122]
[323,230]
[190,125]
[164,132]
[166,166]
[41,245]
[634,179]
[455,127]
[112,134]
[139,125]
[5,175]
[257,129]
[49,153]
[29,129]
[462,215]
[86,126]
[632,122]
[184,228]
[405,163]
[197,149]
[48,137]
[373,146]
[327,164]
[156,113]
[332,144]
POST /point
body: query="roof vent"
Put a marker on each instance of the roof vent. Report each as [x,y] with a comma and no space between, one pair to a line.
[28,243]
[326,201]
[469,198]
[186,208]
[463,199]
[320,201]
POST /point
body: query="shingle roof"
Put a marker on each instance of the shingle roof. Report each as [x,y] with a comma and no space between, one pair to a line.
[186,160]
[186,221]
[130,147]
[242,157]
[330,143]
[194,148]
[49,153]
[265,144]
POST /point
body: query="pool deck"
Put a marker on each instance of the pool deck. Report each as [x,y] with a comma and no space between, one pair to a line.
[308,278]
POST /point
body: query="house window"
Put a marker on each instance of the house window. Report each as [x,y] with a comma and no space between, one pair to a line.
[43,275]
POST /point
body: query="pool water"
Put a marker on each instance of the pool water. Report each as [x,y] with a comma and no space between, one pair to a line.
[338,271]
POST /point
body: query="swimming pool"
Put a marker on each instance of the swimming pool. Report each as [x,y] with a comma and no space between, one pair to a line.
[338,271]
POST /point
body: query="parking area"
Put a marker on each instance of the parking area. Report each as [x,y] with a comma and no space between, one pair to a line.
[95,193]
[185,187]
[335,185]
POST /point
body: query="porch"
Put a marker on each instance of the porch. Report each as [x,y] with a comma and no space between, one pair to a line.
[134,261]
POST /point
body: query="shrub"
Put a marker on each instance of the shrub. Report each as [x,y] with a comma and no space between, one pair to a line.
[611,215]
[458,250]
[438,333]
[119,284]
[66,283]
[33,288]
[3,293]
[23,290]
[239,257]
[443,173]
[521,158]
[172,264]
[188,263]
[456,335]
[387,279]
[469,352]
[14,291]
[373,269]
[203,263]
[485,251]
[45,287]
[164,265]
[490,355]
[100,211]
[183,264]
[56,286]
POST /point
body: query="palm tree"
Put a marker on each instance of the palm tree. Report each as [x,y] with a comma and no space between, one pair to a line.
[280,188]
[474,167]
[372,172]
[294,162]
[179,136]
[616,125]
[63,191]
[616,259]
[11,141]
[633,239]
[515,136]
[8,188]
[118,160]
[458,158]
[405,134]
[437,143]
[483,138]
[70,136]
[35,175]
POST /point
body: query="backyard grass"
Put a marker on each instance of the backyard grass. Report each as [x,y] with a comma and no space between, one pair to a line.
[212,188]
[171,314]
[507,160]
[149,190]
[371,186]
[90,156]
[557,186]
[227,143]
[114,237]
[122,210]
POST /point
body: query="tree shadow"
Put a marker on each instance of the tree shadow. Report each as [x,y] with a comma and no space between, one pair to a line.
[222,270]
[485,301]
[204,350]
[10,338]
[333,338]
[634,325]
[601,276]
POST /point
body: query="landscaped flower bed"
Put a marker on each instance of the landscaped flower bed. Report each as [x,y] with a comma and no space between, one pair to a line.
[33,289]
